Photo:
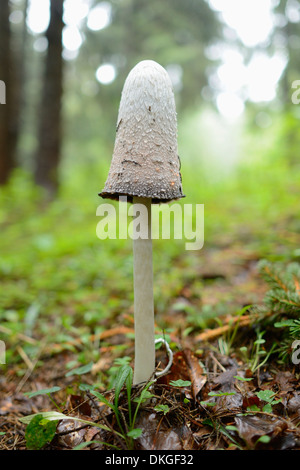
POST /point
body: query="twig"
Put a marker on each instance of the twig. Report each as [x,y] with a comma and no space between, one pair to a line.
[30,369]
[217,362]
[215,332]
[8,331]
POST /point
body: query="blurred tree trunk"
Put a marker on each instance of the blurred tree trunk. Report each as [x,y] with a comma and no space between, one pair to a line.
[18,85]
[6,147]
[49,132]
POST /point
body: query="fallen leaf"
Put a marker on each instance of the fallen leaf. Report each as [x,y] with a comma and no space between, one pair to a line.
[78,404]
[250,428]
[293,404]
[156,435]
[39,432]
[67,434]
[226,378]
[251,401]
[177,371]
[195,372]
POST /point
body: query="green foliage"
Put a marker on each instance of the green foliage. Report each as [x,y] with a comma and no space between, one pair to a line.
[263,439]
[256,355]
[41,428]
[60,283]
[80,370]
[124,378]
[135,433]
[243,379]
[220,394]
[54,416]
[281,306]
[284,294]
[162,409]
[180,383]
[83,445]
[45,391]
[39,432]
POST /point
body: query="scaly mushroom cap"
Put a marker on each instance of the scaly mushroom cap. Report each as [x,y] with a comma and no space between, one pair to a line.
[145,161]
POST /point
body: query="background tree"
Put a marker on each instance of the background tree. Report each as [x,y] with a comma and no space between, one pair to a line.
[49,132]
[13,49]
[286,37]
[20,48]
[173,33]
[6,150]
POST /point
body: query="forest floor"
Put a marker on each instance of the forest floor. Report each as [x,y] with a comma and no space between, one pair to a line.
[212,397]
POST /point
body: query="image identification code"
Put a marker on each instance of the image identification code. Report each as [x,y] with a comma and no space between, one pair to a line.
[152,459]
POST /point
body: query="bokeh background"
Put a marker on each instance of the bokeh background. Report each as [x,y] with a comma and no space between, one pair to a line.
[233,65]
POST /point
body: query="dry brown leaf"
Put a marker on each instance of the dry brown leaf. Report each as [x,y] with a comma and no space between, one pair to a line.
[195,372]
[250,428]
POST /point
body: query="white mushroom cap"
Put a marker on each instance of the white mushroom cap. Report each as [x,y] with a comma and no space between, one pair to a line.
[145,160]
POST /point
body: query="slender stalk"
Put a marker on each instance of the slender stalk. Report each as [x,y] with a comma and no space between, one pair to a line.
[143,299]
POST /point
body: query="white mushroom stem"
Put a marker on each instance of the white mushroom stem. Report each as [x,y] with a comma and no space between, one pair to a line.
[143,299]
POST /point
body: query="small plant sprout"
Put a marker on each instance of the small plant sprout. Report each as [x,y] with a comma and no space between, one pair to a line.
[145,168]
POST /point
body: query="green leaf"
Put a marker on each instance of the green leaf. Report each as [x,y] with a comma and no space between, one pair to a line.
[102,399]
[231,428]
[220,394]
[144,396]
[209,422]
[265,395]
[253,408]
[124,374]
[80,370]
[122,361]
[242,379]
[86,387]
[267,408]
[180,383]
[56,416]
[264,439]
[39,432]
[50,415]
[260,341]
[162,409]
[207,403]
[82,445]
[284,323]
[135,433]
[140,399]
[45,391]
[224,431]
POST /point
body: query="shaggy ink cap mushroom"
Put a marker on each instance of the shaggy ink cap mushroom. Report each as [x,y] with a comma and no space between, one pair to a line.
[145,168]
[145,160]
